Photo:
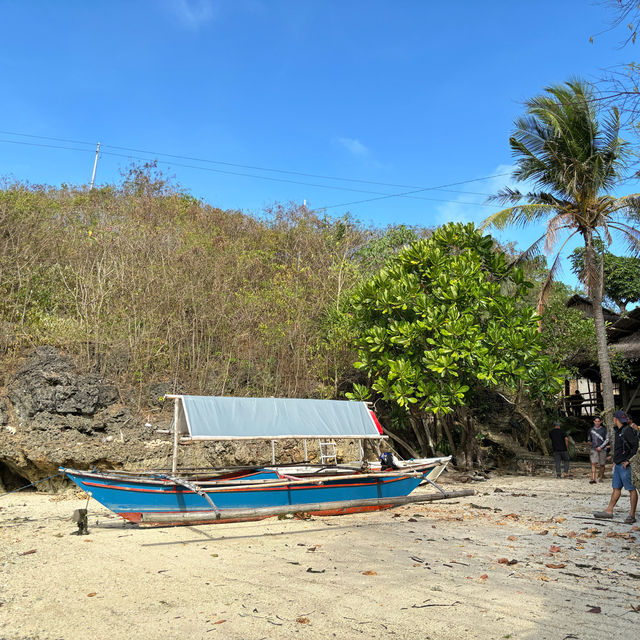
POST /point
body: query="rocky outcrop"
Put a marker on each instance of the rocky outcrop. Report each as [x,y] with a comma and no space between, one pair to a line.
[52,414]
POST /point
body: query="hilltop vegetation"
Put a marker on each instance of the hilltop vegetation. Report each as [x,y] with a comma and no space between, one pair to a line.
[144,283]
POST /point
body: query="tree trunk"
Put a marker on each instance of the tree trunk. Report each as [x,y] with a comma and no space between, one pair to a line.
[447,430]
[431,445]
[595,284]
[468,443]
[396,438]
[517,409]
[418,434]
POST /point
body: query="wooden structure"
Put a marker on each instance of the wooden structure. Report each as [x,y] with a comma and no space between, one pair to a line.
[623,334]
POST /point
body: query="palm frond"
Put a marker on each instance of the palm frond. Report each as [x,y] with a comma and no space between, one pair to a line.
[546,286]
[556,224]
[551,276]
[604,231]
[506,196]
[532,251]
[630,204]
[519,215]
[631,235]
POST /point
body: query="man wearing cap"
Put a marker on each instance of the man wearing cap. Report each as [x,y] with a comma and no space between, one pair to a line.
[625,445]
[560,447]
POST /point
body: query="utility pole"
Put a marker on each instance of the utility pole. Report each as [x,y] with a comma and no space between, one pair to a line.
[95,166]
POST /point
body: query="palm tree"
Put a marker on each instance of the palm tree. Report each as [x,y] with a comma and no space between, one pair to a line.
[572,159]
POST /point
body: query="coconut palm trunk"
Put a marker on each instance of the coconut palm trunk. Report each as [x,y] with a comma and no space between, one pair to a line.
[595,284]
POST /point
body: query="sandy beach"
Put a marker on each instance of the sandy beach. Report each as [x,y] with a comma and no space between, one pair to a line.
[520,559]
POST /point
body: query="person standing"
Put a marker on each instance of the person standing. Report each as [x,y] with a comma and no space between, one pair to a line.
[560,446]
[599,440]
[576,400]
[625,446]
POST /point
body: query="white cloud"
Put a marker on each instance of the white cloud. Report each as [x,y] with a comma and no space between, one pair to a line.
[353,146]
[192,13]
[466,206]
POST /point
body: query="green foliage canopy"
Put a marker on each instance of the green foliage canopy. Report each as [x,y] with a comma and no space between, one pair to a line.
[444,315]
[621,275]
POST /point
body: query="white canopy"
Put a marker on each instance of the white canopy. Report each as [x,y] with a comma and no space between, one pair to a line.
[225,418]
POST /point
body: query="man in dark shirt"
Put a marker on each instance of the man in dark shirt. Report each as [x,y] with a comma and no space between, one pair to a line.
[560,446]
[625,446]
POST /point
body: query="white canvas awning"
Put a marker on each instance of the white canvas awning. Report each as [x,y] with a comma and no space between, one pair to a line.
[225,418]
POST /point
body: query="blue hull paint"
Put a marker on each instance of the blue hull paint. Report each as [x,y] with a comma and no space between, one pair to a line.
[130,495]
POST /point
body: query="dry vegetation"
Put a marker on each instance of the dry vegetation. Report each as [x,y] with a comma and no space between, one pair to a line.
[146,284]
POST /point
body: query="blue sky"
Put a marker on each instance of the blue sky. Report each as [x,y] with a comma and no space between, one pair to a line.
[411,93]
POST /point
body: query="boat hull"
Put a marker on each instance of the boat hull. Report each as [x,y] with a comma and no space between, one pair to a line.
[141,498]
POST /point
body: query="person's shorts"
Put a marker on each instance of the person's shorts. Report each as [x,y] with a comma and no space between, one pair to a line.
[598,457]
[622,478]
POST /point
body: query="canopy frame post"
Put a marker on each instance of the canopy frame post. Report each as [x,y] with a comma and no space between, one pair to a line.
[174,461]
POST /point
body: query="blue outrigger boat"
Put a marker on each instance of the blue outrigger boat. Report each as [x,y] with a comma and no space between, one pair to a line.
[157,498]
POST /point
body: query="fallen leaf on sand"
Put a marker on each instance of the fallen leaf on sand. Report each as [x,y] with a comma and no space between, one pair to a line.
[219,621]
[369,573]
[303,621]
[593,609]
[543,578]
[503,560]
[544,532]
[512,538]
[554,549]
[620,534]
[484,576]
[572,534]
[90,595]
[560,519]
[555,566]
[27,553]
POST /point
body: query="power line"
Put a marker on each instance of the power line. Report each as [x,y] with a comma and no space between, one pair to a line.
[240,166]
[407,194]
[380,196]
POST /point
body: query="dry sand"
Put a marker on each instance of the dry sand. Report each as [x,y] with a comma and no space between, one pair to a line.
[419,571]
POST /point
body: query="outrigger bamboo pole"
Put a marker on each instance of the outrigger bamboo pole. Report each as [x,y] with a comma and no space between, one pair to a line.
[265,512]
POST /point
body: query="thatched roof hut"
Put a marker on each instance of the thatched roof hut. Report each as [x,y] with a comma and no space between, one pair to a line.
[623,334]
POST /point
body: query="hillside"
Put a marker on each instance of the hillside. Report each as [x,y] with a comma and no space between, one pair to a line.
[146,284]
[115,296]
